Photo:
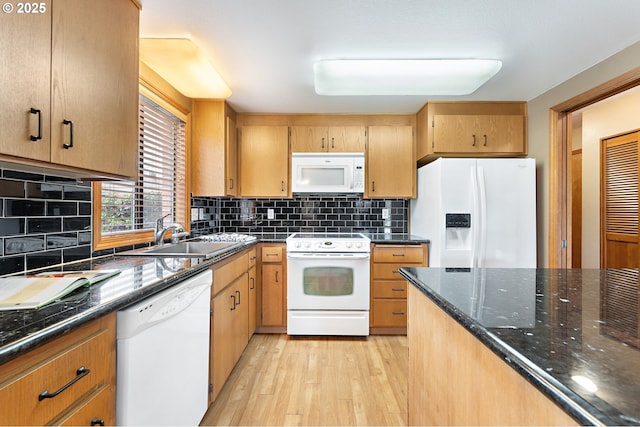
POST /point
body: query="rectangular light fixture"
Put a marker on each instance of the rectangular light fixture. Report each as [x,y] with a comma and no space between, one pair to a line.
[402,76]
[183,65]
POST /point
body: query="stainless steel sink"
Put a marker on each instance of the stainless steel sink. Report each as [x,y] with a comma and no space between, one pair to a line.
[184,249]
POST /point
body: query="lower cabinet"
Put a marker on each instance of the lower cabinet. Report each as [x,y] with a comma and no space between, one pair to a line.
[68,381]
[273,297]
[388,288]
[230,313]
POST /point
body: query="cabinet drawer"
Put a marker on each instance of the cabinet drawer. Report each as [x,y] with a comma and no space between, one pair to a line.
[272,254]
[52,367]
[99,407]
[390,313]
[407,254]
[387,271]
[229,272]
[389,289]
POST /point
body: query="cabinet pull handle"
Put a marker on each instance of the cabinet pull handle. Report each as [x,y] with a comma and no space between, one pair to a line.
[282,185]
[234,302]
[238,293]
[253,283]
[81,372]
[70,124]
[474,141]
[333,145]
[276,277]
[395,271]
[397,255]
[39,113]
[97,422]
[398,313]
[322,142]
[485,140]
[397,289]
[230,183]
[373,186]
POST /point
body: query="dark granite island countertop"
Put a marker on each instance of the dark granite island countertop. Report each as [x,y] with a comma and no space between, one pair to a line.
[573,334]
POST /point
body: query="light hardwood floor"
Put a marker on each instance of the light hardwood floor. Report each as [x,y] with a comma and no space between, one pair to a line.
[348,381]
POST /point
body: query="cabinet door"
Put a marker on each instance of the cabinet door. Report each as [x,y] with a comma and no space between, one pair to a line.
[264,161]
[208,159]
[95,85]
[241,316]
[501,134]
[391,166]
[25,61]
[253,299]
[347,139]
[231,160]
[309,139]
[222,334]
[273,295]
[456,134]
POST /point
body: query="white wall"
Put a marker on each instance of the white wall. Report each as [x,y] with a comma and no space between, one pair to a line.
[538,126]
[607,118]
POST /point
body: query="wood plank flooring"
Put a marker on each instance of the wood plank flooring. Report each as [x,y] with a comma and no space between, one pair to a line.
[347,381]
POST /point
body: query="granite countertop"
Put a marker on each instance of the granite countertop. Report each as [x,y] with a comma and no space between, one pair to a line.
[139,278]
[555,327]
[396,238]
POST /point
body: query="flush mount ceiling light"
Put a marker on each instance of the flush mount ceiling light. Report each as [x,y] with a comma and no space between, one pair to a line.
[183,65]
[402,76]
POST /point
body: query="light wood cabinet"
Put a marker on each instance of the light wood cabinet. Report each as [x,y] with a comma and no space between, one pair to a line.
[230,309]
[388,288]
[390,162]
[471,129]
[264,161]
[214,151]
[273,295]
[253,290]
[84,359]
[344,139]
[76,94]
[455,379]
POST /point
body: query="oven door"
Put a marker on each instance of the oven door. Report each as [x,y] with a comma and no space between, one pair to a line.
[321,281]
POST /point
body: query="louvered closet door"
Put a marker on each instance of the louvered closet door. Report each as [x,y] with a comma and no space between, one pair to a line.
[619,189]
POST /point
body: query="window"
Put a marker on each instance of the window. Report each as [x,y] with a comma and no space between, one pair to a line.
[125,212]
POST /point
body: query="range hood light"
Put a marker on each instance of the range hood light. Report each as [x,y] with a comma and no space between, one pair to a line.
[402,76]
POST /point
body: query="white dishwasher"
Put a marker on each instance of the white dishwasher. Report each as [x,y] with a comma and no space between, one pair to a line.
[163,356]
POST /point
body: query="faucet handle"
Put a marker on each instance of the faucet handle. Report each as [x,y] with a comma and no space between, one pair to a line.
[160,222]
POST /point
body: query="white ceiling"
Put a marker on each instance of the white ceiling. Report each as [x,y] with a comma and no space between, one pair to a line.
[265,49]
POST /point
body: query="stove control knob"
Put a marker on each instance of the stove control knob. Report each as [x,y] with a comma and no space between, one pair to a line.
[307,244]
[298,244]
[348,244]
[358,245]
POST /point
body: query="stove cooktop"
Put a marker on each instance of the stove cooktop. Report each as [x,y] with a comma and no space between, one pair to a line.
[328,242]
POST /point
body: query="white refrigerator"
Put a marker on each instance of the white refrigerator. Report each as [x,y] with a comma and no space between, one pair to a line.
[477,212]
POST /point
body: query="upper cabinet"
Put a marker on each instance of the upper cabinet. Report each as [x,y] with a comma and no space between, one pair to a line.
[73,101]
[469,129]
[214,170]
[263,153]
[390,162]
[313,139]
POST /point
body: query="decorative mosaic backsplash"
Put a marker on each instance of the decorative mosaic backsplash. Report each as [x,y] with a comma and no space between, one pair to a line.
[46,220]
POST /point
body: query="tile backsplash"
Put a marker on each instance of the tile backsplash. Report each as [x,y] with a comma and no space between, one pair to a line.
[46,220]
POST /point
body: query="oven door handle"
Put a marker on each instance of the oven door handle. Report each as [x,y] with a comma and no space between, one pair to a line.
[321,256]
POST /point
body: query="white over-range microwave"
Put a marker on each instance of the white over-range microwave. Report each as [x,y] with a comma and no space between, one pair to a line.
[327,172]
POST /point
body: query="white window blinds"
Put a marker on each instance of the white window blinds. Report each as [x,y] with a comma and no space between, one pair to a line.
[160,188]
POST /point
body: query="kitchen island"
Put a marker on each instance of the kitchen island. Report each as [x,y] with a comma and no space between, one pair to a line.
[523,346]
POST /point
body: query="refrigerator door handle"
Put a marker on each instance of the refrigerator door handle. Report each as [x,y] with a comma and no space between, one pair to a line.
[474,218]
[482,233]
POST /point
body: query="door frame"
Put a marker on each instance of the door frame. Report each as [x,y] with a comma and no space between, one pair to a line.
[560,162]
